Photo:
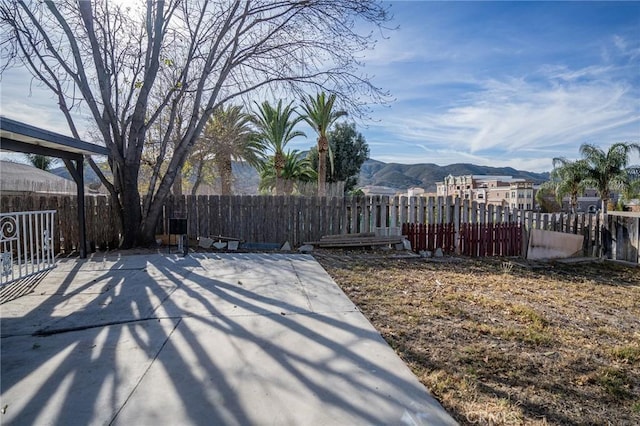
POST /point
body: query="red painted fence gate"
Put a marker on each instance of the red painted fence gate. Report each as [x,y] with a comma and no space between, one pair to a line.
[430,236]
[476,240]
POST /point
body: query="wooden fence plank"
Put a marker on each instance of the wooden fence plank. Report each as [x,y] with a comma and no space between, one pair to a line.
[192,215]
[353,215]
[203,216]
[324,222]
[375,213]
[334,217]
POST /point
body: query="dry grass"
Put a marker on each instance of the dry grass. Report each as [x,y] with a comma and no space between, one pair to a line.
[504,341]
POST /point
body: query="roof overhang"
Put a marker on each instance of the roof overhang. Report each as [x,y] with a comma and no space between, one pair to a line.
[21,137]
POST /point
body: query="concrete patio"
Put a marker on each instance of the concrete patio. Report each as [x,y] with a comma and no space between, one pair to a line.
[207,339]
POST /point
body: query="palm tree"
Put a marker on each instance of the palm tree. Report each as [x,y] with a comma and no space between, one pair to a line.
[633,190]
[41,162]
[607,170]
[568,178]
[228,136]
[320,115]
[297,168]
[275,130]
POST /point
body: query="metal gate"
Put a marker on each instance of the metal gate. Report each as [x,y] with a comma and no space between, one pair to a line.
[26,244]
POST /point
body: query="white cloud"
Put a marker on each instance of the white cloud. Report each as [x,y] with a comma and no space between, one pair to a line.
[25,100]
[627,48]
[511,115]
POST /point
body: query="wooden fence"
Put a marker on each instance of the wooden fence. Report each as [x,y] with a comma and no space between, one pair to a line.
[622,236]
[276,219]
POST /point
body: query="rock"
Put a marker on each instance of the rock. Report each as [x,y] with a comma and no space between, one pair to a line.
[407,244]
[425,253]
[233,245]
[286,247]
[307,248]
[205,242]
[219,245]
[439,252]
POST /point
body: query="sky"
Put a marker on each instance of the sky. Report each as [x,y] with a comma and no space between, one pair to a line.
[491,83]
[506,83]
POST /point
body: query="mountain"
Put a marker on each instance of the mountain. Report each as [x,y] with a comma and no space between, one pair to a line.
[403,176]
[247,178]
[373,172]
[89,175]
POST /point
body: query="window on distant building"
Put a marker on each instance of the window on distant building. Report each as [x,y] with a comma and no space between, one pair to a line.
[513,194]
[480,196]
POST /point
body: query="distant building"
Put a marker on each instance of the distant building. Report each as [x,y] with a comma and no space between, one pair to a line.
[415,192]
[588,204]
[504,191]
[634,205]
[379,190]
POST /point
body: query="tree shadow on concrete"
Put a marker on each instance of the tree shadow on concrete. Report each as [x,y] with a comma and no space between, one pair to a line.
[131,340]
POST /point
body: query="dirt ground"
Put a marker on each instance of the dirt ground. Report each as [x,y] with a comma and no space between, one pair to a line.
[505,341]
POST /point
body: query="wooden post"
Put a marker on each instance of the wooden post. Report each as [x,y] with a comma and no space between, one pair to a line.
[412,210]
[456,226]
[393,214]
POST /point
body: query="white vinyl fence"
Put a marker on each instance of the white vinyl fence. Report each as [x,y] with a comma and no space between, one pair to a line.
[26,244]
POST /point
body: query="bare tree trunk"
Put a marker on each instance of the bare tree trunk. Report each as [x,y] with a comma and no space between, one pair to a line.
[131,212]
[177,189]
[197,180]
[323,148]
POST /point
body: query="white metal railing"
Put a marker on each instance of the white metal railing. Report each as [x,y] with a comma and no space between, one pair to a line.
[26,244]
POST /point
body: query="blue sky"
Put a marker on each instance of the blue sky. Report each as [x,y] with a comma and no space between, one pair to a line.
[506,83]
[491,83]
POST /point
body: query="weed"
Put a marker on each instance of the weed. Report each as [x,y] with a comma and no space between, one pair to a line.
[527,314]
[614,381]
[628,353]
[529,335]
[506,267]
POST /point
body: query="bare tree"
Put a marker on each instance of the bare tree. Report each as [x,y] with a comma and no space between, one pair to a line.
[134,66]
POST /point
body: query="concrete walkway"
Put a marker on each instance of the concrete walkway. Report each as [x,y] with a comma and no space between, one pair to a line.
[229,339]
